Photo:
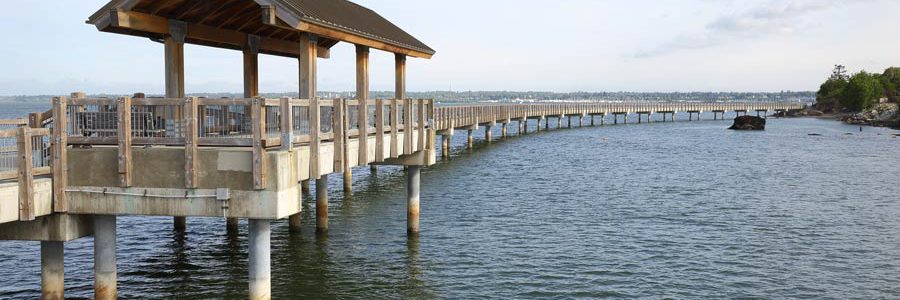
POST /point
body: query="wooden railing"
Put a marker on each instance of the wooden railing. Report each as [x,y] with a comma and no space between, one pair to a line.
[25,153]
[448,117]
[258,123]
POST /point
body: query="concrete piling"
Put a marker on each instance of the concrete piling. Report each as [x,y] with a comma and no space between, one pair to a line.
[179,223]
[470,141]
[52,270]
[348,181]
[304,186]
[489,133]
[413,176]
[259,242]
[322,204]
[445,145]
[105,257]
[231,224]
[504,129]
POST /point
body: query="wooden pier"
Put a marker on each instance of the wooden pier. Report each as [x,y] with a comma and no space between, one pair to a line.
[69,172]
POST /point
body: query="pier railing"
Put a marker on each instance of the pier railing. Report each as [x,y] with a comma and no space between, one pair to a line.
[255,123]
[448,117]
[25,153]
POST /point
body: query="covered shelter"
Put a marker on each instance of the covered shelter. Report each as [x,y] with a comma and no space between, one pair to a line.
[301,29]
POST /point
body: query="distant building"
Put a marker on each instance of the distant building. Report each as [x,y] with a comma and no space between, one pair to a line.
[883,100]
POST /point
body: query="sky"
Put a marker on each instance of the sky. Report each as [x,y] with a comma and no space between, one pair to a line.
[516,45]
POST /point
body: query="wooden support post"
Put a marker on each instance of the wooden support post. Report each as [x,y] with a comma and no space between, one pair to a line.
[408,126]
[257,111]
[423,121]
[379,130]
[395,124]
[308,51]
[60,141]
[26,174]
[123,106]
[340,138]
[251,67]
[362,94]
[191,138]
[174,62]
[287,124]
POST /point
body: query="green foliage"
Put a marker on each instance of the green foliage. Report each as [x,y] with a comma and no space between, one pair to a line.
[862,91]
[890,80]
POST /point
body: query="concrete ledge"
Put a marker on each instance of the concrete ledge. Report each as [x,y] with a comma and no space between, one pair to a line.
[54,228]
[9,199]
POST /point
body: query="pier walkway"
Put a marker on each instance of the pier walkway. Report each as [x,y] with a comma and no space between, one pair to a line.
[69,172]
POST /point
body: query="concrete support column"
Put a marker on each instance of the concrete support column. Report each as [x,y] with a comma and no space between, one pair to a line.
[602,117]
[673,115]
[592,120]
[489,133]
[538,126]
[105,257]
[322,204]
[504,129]
[570,121]
[649,117]
[470,142]
[260,268]
[558,122]
[445,145]
[523,126]
[625,118]
[231,224]
[348,180]
[304,186]
[413,176]
[52,270]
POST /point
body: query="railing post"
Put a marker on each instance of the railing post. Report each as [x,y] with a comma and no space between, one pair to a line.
[287,124]
[408,128]
[423,116]
[379,130]
[395,123]
[315,127]
[123,107]
[338,121]
[60,140]
[363,138]
[257,111]
[191,137]
[26,174]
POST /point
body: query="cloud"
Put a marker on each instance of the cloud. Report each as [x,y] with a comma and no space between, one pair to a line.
[768,19]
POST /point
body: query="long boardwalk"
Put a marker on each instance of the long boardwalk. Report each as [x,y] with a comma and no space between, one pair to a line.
[69,172]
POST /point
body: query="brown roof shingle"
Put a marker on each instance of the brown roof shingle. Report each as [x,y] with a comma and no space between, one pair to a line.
[349,16]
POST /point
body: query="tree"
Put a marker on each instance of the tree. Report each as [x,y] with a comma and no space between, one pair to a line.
[861,92]
[829,94]
[890,80]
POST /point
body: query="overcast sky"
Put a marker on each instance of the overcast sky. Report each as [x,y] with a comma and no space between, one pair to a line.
[564,45]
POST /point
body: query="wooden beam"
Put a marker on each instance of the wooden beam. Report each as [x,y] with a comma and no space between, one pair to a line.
[123,107]
[26,174]
[400,76]
[191,142]
[379,130]
[251,66]
[362,94]
[287,124]
[258,117]
[357,39]
[174,55]
[395,127]
[60,143]
[340,135]
[307,59]
[156,26]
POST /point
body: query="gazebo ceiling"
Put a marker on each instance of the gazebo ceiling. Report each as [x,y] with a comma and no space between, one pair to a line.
[227,24]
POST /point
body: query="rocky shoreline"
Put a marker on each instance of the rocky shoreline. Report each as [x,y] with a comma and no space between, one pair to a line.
[882,115]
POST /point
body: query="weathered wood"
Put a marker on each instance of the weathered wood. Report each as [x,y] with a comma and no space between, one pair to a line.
[259,152]
[123,106]
[26,174]
[59,158]
[395,124]
[198,33]
[379,130]
[287,124]
[423,117]
[408,126]
[191,142]
[340,140]
[251,66]
[308,48]
[362,95]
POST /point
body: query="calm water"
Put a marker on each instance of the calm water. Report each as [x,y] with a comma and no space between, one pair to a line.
[684,210]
